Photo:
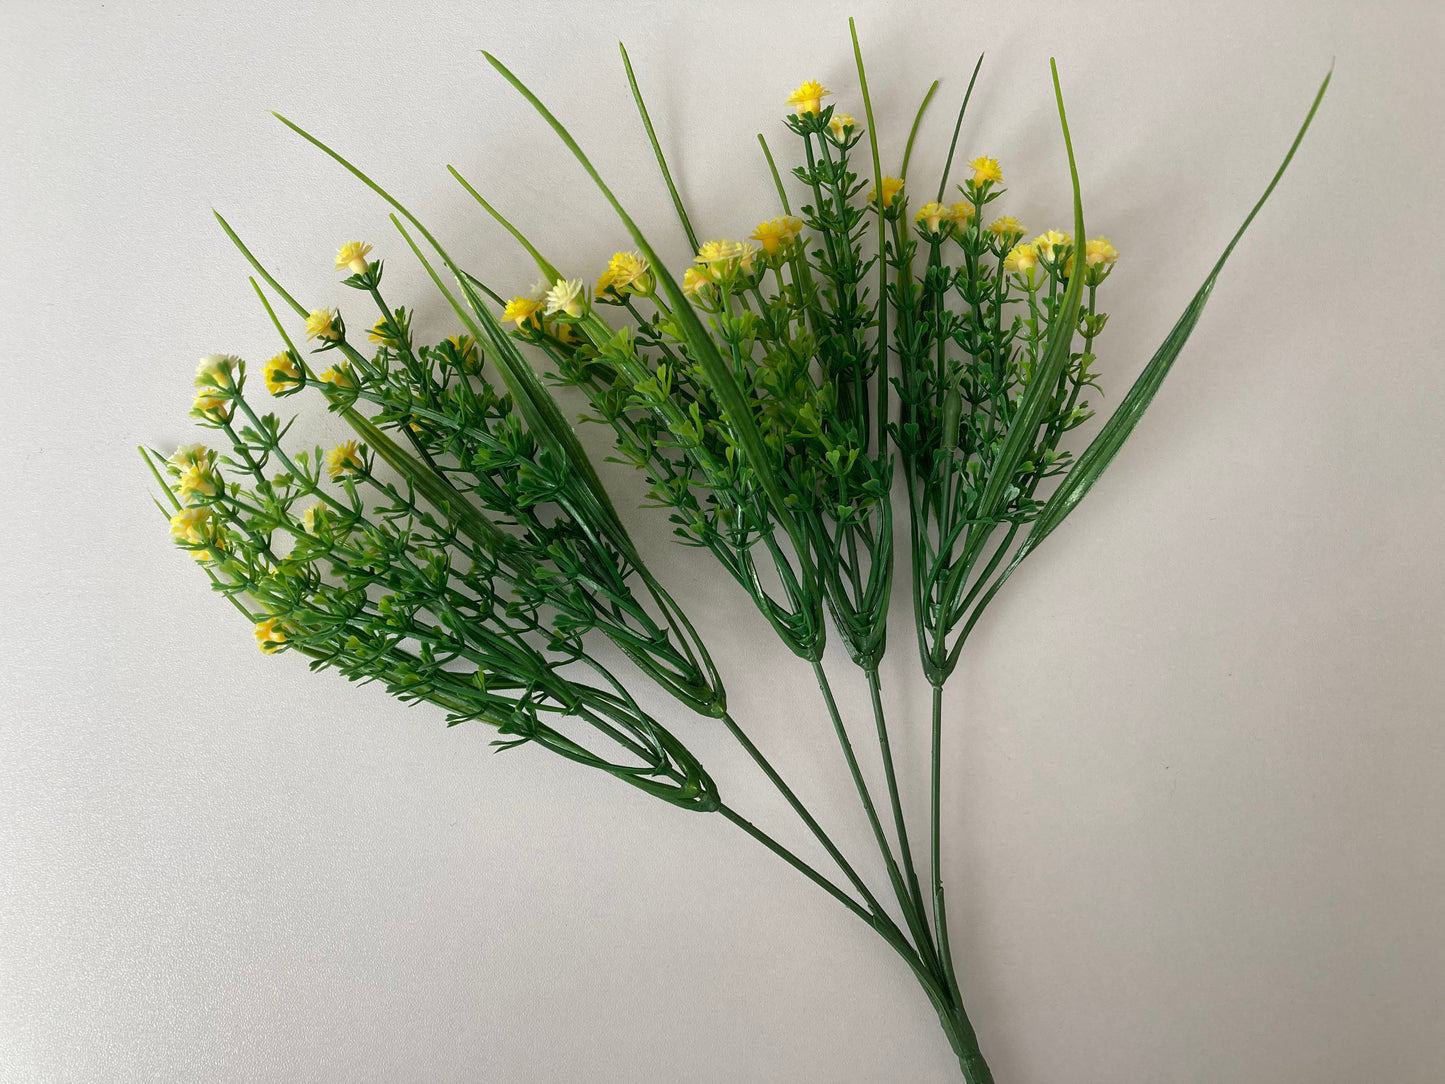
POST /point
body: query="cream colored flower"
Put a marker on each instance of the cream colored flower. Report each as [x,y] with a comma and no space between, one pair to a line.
[961,212]
[196,529]
[840,123]
[339,375]
[565,296]
[693,280]
[1046,243]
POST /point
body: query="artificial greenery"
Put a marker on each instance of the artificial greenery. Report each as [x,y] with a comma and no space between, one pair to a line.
[775,397]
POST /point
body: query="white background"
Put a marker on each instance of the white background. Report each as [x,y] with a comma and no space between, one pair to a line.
[1194,755]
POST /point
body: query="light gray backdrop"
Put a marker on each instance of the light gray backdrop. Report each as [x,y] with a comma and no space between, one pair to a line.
[1194,756]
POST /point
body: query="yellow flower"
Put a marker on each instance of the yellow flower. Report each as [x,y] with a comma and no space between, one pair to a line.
[522,310]
[353,255]
[344,457]
[198,480]
[1022,259]
[723,257]
[269,635]
[625,269]
[1099,251]
[565,296]
[280,373]
[1006,229]
[930,215]
[1047,242]
[380,332]
[693,280]
[808,97]
[321,324]
[466,350]
[308,517]
[191,455]
[961,212]
[891,187]
[338,375]
[195,529]
[214,384]
[777,231]
[839,123]
[984,170]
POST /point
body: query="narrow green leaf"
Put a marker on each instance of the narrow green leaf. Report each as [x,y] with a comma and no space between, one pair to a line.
[913,132]
[543,265]
[1102,449]
[957,126]
[657,150]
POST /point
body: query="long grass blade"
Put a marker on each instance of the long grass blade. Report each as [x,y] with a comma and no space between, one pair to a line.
[657,150]
[957,127]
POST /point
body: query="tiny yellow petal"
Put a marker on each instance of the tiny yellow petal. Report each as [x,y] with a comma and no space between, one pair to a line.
[808,97]
[984,171]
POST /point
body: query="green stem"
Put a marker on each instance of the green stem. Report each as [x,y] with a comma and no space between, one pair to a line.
[940,911]
[911,916]
[899,824]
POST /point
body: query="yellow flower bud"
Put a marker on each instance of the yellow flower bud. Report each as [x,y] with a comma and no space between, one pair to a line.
[985,170]
[321,324]
[930,215]
[343,458]
[281,374]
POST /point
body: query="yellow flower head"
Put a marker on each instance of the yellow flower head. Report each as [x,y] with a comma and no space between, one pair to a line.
[344,457]
[198,480]
[191,455]
[984,171]
[339,375]
[321,324]
[352,255]
[465,348]
[808,97]
[840,123]
[522,310]
[723,257]
[196,529]
[281,373]
[777,231]
[1046,243]
[693,280]
[891,187]
[565,296]
[1099,251]
[380,332]
[269,635]
[309,517]
[1022,259]
[625,270]
[930,215]
[215,381]
[961,212]
[1006,229]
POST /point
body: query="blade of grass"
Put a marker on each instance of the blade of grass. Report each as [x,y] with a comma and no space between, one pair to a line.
[657,150]
[1102,449]
[957,126]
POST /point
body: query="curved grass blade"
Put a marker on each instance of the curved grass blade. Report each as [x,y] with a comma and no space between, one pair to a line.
[913,132]
[1102,449]
[657,150]
[957,126]
[1023,428]
[543,265]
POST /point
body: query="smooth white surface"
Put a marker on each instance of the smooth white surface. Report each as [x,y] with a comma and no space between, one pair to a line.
[1203,844]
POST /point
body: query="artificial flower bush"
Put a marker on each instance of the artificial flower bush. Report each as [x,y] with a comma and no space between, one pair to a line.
[887,348]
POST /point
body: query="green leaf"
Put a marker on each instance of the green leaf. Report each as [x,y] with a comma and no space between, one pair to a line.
[657,150]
